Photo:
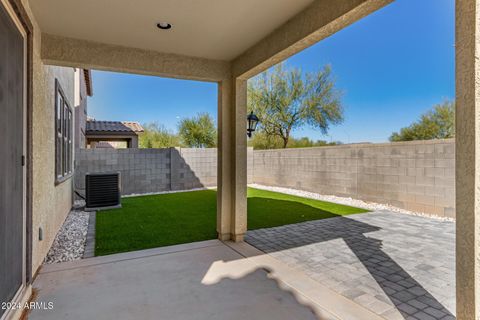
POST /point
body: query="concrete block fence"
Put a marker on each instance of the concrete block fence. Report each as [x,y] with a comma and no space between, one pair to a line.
[418,175]
[152,170]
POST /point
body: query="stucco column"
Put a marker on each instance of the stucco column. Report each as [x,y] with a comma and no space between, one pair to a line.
[468,159]
[133,142]
[232,160]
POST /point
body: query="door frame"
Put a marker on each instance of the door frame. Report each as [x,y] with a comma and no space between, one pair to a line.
[17,14]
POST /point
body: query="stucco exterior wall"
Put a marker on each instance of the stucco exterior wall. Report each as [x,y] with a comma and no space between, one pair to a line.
[51,203]
[417,176]
[80,106]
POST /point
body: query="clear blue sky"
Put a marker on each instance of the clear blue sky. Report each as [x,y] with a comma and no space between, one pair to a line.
[392,66]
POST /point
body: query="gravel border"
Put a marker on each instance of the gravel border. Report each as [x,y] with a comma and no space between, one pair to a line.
[69,243]
[166,192]
[346,201]
[89,251]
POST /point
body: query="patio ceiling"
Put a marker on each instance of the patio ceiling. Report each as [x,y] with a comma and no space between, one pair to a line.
[212,29]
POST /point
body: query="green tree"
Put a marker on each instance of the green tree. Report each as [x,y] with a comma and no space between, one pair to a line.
[306,142]
[156,136]
[198,131]
[437,123]
[285,100]
[261,141]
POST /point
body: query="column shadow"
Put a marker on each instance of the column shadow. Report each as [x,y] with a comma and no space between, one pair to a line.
[405,293]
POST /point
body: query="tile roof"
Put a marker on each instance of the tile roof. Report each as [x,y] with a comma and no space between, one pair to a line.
[88,81]
[94,126]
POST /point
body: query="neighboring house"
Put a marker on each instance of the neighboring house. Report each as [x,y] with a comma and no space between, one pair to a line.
[111,145]
[89,133]
[83,89]
[111,134]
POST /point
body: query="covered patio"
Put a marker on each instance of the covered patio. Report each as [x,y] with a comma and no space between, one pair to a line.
[211,41]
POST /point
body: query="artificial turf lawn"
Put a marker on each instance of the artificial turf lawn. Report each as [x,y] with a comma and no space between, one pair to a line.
[160,220]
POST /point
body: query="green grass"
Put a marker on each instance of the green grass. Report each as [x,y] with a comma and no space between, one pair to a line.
[161,220]
[271,209]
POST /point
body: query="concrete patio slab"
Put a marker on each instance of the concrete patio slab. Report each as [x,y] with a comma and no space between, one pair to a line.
[202,280]
[396,265]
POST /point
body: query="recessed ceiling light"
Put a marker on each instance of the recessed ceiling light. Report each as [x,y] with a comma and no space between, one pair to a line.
[164,25]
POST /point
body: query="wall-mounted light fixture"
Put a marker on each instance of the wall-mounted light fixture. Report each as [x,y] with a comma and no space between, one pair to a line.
[252,121]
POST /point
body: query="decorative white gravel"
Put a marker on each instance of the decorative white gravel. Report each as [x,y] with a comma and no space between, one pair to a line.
[69,244]
[166,192]
[346,201]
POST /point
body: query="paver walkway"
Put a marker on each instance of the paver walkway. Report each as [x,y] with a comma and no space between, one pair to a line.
[396,265]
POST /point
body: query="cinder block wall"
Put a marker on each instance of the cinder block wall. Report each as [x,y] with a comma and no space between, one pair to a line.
[153,170]
[418,175]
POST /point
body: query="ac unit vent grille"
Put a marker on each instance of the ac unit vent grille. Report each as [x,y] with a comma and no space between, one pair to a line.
[102,190]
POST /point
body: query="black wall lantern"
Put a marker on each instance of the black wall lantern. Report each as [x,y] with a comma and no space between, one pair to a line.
[252,120]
